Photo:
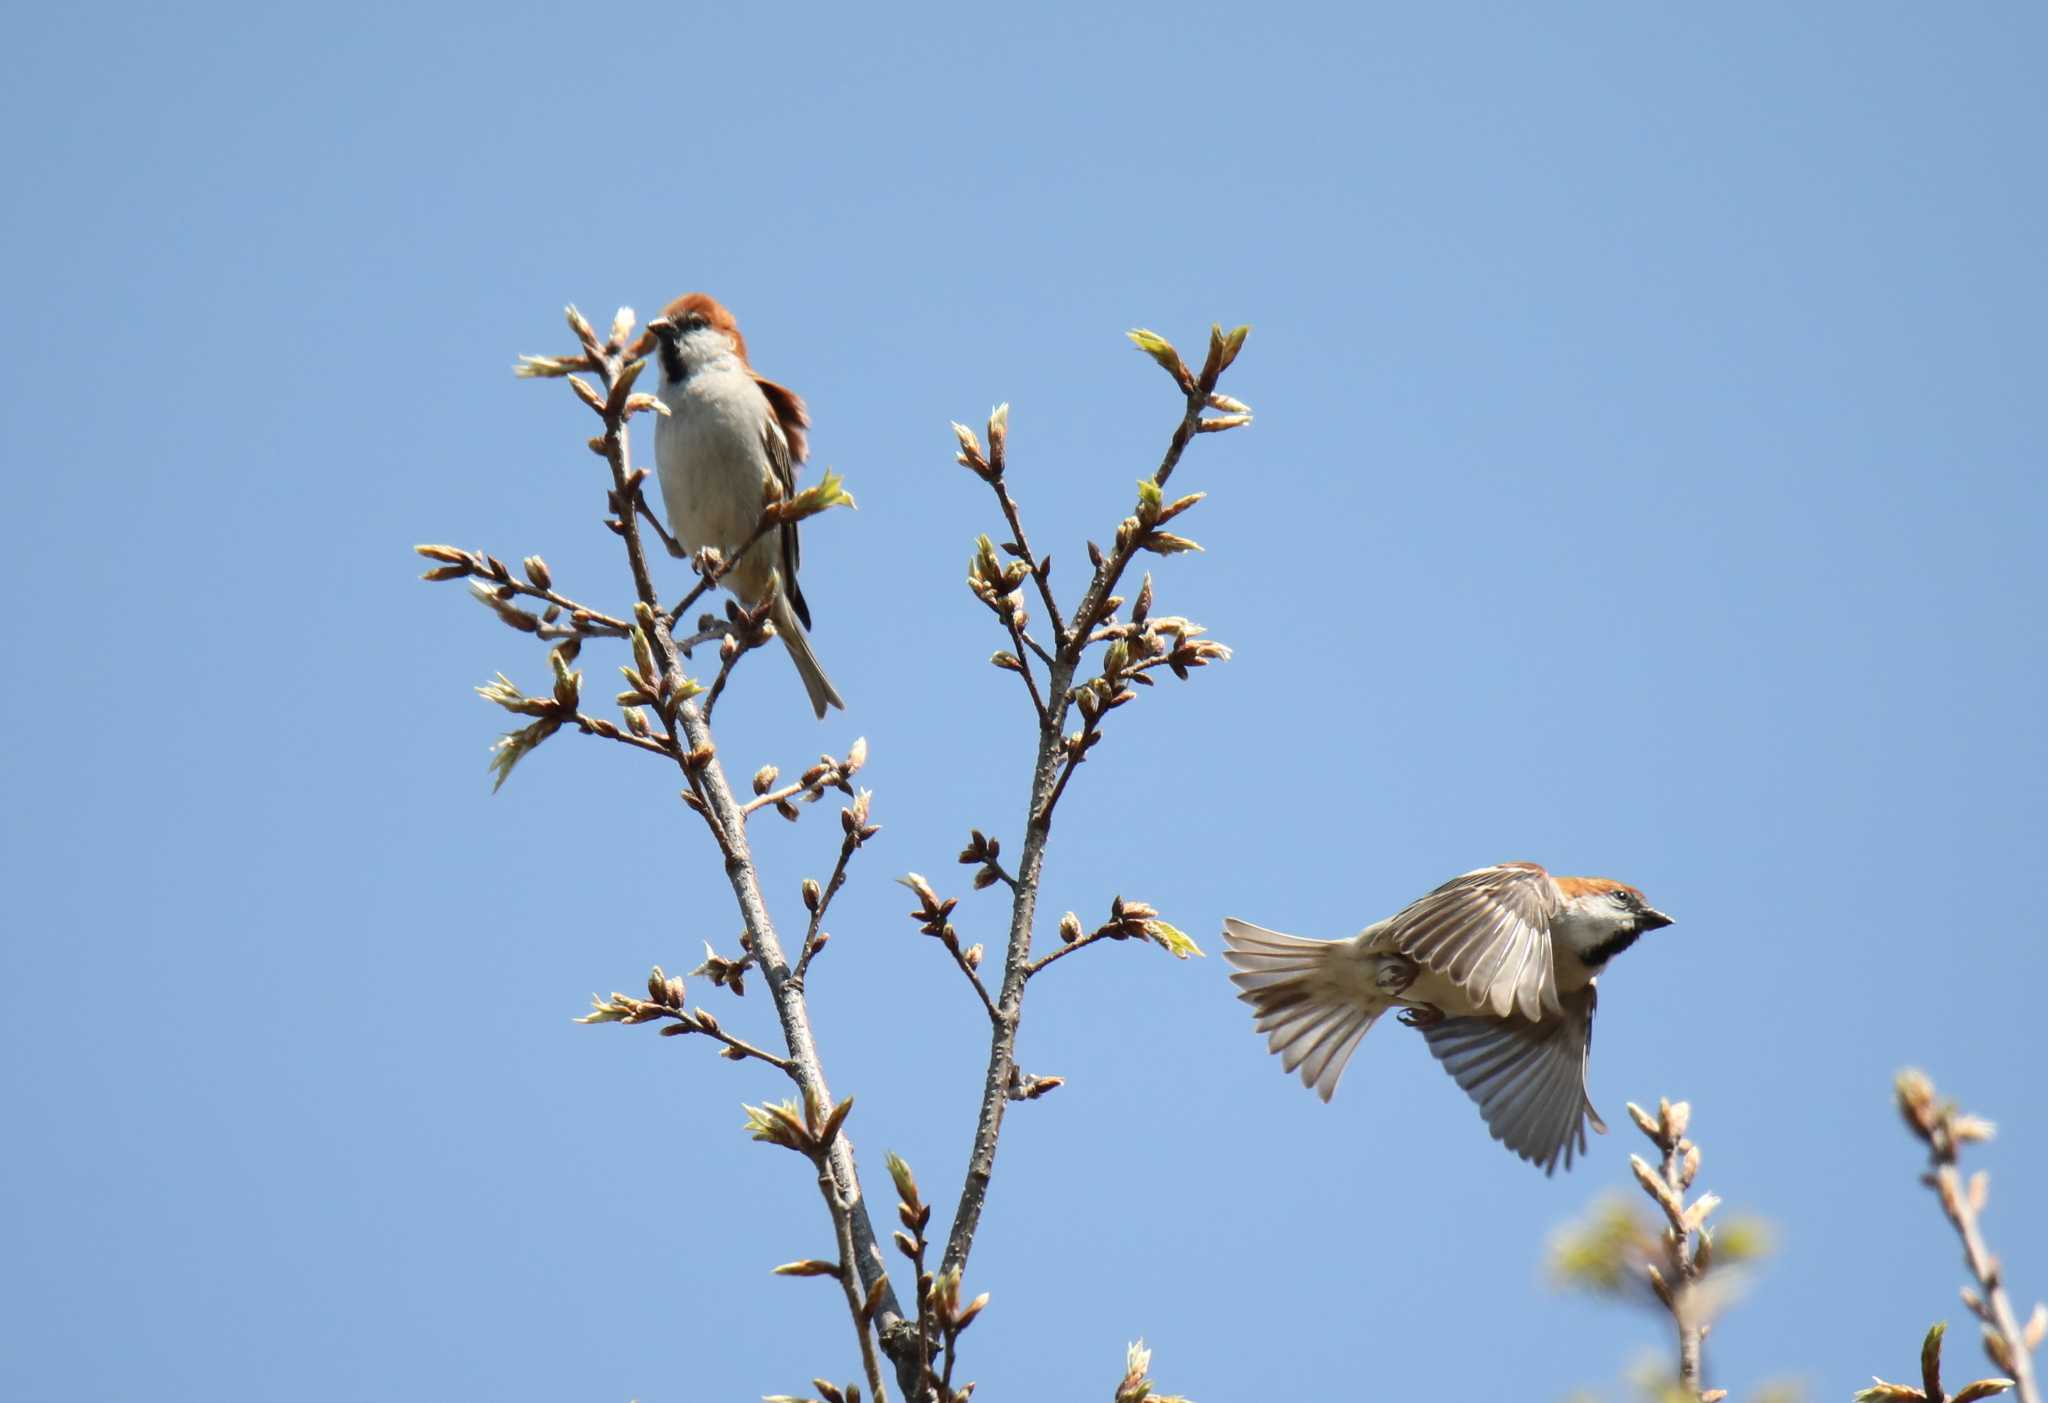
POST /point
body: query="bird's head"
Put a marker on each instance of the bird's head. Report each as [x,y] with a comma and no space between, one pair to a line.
[691,333]
[1603,917]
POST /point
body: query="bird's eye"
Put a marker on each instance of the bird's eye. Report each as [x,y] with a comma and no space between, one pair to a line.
[696,321]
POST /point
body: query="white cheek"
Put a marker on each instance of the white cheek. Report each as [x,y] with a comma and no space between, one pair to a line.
[705,346]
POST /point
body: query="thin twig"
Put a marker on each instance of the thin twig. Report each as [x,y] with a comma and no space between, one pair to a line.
[924,1320]
[810,946]
[830,780]
[492,578]
[1048,779]
[1065,950]
[1072,761]
[1018,641]
[720,630]
[675,548]
[625,1008]
[1103,584]
[584,621]
[849,1280]
[728,658]
[1678,1285]
[697,756]
[1692,1332]
[740,1045]
[1052,605]
[598,726]
[1945,1130]
[960,959]
[952,1354]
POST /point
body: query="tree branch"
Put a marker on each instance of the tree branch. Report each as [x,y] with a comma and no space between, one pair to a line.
[960,959]
[818,900]
[747,1049]
[1112,568]
[657,681]
[1945,1130]
[698,758]
[1065,950]
[856,1305]
[665,1001]
[744,638]
[1019,640]
[599,726]
[1047,778]
[1677,1285]
[1039,572]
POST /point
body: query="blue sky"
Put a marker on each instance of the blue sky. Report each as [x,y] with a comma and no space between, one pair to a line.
[1646,481]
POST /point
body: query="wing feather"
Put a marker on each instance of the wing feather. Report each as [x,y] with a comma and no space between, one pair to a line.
[1529,1079]
[782,455]
[791,414]
[1489,931]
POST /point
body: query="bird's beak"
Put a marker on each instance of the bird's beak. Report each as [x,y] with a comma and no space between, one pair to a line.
[661,326]
[1651,919]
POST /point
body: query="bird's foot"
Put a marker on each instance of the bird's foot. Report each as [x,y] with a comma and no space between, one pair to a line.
[1421,1015]
[1394,973]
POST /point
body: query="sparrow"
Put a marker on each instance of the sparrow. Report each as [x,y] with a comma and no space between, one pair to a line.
[1499,969]
[727,435]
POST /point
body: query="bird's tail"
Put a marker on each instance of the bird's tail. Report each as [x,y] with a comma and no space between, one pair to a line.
[1312,998]
[816,683]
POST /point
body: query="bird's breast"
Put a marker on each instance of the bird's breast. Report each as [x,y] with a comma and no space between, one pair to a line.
[710,457]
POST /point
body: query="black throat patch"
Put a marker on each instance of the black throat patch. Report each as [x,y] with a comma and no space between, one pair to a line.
[1610,947]
[672,364]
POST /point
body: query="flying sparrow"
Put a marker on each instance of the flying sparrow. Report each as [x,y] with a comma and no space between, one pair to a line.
[727,435]
[1498,968]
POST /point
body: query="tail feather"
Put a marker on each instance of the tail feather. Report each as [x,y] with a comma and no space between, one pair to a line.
[1314,1004]
[816,684]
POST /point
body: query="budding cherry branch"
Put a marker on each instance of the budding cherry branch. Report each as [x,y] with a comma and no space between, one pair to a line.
[1093,659]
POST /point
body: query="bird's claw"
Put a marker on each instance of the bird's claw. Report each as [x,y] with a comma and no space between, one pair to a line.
[1421,1015]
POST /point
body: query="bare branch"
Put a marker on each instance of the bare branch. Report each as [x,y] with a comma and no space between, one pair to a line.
[668,713]
[653,743]
[1063,951]
[857,831]
[856,1302]
[931,914]
[828,773]
[624,1008]
[1945,1130]
[749,630]
[1687,1243]
[1038,571]
[492,578]
[1050,771]
[696,754]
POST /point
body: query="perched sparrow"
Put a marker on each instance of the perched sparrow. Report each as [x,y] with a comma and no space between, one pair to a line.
[726,435]
[1497,968]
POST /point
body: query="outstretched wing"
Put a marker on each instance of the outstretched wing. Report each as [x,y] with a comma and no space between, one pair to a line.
[1528,1078]
[1490,931]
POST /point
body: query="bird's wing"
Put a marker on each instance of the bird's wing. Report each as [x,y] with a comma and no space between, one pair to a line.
[1490,931]
[791,414]
[775,438]
[1528,1078]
